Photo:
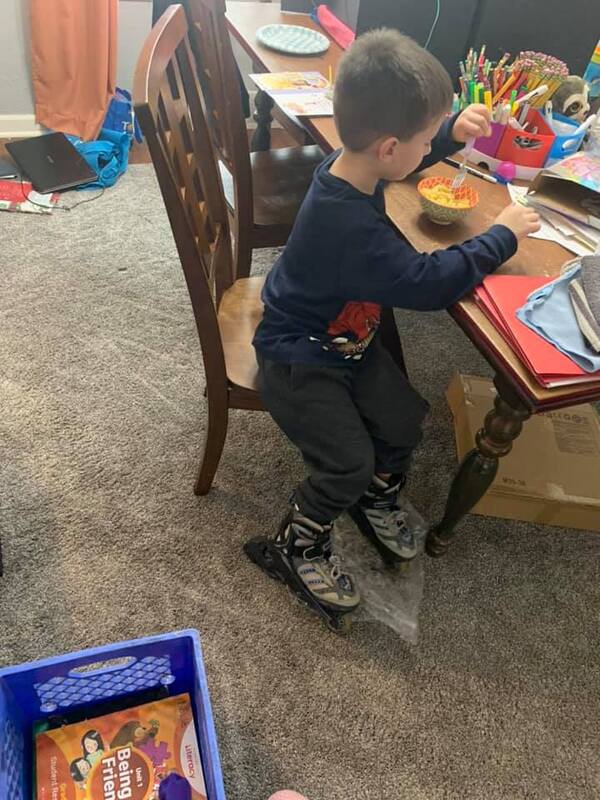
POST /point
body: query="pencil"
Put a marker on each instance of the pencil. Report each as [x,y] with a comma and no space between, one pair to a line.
[330,73]
[503,89]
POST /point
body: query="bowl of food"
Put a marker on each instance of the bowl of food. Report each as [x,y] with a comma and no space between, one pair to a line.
[443,204]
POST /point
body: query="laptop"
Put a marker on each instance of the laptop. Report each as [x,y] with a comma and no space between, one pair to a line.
[51,163]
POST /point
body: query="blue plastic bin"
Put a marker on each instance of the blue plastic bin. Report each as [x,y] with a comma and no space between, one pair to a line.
[33,691]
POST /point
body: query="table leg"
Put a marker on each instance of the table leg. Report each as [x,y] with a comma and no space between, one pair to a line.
[501,427]
[261,138]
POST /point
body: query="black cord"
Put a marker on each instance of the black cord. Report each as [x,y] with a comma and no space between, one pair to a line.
[57,207]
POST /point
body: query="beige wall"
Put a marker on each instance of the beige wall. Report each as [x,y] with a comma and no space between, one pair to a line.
[16,97]
[15,85]
[135,20]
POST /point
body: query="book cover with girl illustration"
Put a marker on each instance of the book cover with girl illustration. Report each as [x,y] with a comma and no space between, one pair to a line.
[121,756]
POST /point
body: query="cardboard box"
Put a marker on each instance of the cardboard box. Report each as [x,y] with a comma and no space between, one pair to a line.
[552,474]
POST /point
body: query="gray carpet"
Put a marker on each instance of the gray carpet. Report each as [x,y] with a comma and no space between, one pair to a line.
[101,427]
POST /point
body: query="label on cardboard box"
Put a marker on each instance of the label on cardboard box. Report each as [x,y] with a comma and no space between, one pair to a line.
[551,474]
[574,433]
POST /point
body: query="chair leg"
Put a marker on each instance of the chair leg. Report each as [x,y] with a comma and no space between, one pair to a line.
[218,414]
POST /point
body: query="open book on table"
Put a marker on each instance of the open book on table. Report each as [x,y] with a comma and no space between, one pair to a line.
[300,94]
[570,187]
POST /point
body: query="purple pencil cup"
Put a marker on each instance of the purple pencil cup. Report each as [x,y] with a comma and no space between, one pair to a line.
[489,144]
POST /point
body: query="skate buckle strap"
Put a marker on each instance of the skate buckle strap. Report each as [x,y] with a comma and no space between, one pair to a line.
[383,503]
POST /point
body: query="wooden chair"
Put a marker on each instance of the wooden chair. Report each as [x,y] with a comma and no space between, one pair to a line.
[263,190]
[167,100]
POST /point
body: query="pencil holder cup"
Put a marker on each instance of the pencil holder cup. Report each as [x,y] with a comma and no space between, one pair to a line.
[488,145]
[565,143]
[443,204]
[527,148]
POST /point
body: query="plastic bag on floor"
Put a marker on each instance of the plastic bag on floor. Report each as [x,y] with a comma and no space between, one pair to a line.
[389,595]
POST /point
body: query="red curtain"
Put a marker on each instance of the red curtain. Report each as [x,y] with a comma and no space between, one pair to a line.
[74,61]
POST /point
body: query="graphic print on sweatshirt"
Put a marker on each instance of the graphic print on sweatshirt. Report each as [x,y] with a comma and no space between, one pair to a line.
[353,329]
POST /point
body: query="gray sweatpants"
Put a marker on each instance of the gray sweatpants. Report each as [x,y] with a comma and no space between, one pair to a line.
[347,421]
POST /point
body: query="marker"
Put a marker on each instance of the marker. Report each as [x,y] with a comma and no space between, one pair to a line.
[473,171]
[584,125]
[523,114]
[533,93]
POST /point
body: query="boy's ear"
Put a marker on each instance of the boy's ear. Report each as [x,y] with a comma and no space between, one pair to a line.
[386,149]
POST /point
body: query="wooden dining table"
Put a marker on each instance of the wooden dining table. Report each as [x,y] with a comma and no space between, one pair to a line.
[519,395]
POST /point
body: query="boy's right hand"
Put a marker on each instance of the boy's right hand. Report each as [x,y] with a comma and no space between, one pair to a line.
[522,220]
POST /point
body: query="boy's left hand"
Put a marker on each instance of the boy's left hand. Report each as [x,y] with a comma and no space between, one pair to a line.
[473,122]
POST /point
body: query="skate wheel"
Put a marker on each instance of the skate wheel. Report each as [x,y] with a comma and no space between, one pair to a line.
[297,598]
[341,625]
[404,567]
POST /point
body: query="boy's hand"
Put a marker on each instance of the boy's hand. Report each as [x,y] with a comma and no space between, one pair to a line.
[472,123]
[522,220]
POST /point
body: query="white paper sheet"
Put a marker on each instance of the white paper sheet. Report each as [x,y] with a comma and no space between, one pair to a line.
[548,231]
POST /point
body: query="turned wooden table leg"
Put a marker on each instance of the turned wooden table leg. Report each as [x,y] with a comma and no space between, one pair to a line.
[261,138]
[501,427]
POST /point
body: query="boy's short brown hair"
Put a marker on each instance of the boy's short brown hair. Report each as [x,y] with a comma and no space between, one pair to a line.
[387,85]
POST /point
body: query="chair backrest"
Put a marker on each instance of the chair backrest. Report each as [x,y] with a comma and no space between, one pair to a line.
[219,78]
[167,101]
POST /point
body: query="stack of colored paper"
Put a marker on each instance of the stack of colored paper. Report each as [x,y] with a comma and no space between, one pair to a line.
[499,297]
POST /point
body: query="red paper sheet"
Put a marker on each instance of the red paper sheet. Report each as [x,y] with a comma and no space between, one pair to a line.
[499,297]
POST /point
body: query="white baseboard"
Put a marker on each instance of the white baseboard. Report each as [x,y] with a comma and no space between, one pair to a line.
[13,126]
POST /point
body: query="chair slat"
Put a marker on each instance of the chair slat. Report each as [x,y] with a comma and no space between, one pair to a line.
[169,106]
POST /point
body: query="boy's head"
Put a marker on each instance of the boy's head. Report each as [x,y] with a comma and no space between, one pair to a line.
[390,98]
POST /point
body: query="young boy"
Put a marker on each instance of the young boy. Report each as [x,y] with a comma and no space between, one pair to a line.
[324,375]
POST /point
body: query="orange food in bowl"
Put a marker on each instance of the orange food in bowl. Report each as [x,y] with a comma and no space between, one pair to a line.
[443,204]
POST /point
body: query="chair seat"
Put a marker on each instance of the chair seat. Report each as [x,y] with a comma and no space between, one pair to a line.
[280,180]
[240,311]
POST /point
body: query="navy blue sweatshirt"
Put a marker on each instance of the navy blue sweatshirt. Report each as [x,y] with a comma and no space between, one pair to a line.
[344,260]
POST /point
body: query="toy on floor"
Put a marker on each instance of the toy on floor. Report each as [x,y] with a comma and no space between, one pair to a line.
[174,787]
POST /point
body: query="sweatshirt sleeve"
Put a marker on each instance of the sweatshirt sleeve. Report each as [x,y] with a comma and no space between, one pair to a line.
[442,144]
[382,267]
